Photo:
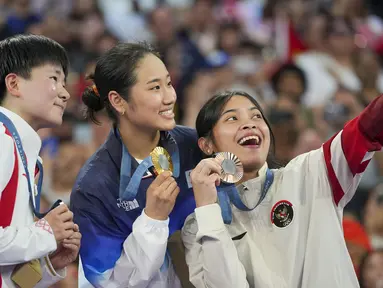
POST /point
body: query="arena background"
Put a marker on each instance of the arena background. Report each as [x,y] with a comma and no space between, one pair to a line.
[313,64]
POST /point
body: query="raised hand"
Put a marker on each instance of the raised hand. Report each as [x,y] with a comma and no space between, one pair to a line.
[205,177]
[161,196]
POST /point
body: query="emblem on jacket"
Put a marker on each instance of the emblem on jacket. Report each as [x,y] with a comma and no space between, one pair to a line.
[282,214]
[127,205]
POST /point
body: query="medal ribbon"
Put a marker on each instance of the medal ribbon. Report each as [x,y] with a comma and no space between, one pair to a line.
[129,184]
[229,193]
[34,199]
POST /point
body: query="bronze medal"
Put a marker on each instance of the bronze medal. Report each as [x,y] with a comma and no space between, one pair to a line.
[161,160]
[232,169]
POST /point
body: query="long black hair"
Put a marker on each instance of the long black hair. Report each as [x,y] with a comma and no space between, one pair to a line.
[211,112]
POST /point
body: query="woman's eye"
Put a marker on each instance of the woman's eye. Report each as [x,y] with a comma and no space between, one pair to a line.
[232,118]
[156,87]
[259,116]
[54,78]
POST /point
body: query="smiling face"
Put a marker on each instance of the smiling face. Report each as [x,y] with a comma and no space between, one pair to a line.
[43,94]
[242,130]
[152,98]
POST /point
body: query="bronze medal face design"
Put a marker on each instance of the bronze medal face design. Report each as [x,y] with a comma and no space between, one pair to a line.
[232,169]
[161,160]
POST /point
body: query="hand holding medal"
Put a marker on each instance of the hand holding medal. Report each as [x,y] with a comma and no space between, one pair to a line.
[224,168]
[162,193]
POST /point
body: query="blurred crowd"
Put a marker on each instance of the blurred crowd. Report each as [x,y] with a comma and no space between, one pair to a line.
[312,64]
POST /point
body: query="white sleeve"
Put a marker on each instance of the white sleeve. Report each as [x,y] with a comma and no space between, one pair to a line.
[210,252]
[49,275]
[143,253]
[19,245]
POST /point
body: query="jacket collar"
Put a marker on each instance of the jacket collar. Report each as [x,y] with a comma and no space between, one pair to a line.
[251,189]
[29,138]
[113,145]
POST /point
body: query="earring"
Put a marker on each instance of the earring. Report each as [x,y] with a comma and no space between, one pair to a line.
[123,112]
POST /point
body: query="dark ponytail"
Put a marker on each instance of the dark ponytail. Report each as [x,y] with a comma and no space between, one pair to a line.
[115,71]
[91,98]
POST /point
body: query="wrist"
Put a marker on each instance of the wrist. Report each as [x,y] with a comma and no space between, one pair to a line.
[155,216]
[56,265]
[203,199]
[204,202]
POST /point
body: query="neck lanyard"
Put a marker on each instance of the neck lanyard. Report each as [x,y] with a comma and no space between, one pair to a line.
[34,198]
[129,184]
[230,194]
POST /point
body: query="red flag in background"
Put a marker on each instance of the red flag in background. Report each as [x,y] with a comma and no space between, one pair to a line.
[288,42]
[379,46]
[296,44]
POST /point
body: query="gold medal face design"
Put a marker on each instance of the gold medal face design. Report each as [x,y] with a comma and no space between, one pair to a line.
[232,169]
[161,160]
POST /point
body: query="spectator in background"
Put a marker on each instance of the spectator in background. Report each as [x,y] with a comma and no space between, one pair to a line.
[357,241]
[335,67]
[370,74]
[371,270]
[289,84]
[230,38]
[287,116]
[373,217]
[21,16]
[63,172]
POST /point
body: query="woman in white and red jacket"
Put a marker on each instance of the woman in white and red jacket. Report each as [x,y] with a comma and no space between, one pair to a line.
[33,70]
[285,228]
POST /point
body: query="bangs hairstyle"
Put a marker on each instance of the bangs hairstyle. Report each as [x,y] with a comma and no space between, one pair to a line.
[211,112]
[20,54]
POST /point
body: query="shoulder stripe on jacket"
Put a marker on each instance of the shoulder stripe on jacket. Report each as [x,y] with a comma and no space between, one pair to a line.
[347,155]
[8,196]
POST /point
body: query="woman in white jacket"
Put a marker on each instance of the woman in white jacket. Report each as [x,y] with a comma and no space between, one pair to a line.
[285,229]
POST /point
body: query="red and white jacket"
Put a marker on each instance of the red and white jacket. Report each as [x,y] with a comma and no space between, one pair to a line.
[21,239]
[294,238]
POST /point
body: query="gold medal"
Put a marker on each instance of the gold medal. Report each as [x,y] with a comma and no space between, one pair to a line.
[232,169]
[161,160]
[27,275]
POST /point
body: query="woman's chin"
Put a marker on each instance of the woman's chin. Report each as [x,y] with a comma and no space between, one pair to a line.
[252,167]
[167,125]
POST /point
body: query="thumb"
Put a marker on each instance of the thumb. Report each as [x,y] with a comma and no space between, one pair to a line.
[161,178]
[215,178]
